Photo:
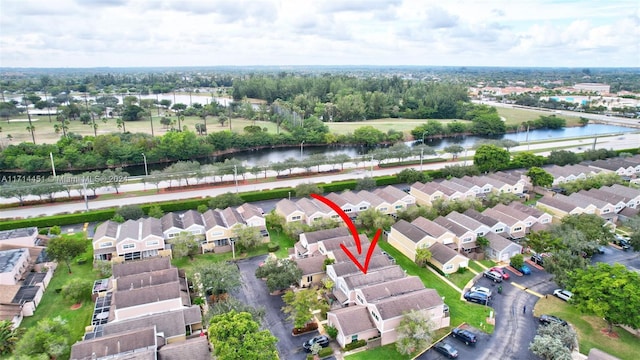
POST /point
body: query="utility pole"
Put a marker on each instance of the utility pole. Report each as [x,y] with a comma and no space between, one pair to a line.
[235,176]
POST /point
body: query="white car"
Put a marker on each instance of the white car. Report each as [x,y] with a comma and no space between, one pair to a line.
[563,294]
[481,289]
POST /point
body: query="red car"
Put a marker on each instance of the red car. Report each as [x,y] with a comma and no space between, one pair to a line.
[502,272]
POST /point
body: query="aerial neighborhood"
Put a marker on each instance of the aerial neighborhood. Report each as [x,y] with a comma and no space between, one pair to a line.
[318,212]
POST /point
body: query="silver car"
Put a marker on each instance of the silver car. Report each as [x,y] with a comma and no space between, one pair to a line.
[563,294]
[481,289]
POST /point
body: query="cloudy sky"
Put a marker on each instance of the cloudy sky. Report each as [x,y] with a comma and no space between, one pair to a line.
[128,33]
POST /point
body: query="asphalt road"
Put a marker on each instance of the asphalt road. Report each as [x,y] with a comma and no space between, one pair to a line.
[254,292]
[629,258]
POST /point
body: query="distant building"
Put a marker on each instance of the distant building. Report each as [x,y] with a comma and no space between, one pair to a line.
[595,87]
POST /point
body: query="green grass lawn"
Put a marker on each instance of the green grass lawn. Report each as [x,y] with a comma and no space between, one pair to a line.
[475,266]
[53,304]
[461,279]
[488,263]
[589,327]
[518,116]
[387,352]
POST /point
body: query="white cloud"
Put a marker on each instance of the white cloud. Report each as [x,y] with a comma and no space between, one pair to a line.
[77,33]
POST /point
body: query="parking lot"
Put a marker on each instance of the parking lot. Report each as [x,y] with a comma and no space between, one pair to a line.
[629,258]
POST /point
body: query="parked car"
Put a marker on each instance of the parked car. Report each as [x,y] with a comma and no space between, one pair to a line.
[481,289]
[446,349]
[550,319]
[624,244]
[563,294]
[537,259]
[476,297]
[466,336]
[601,249]
[501,271]
[524,269]
[492,275]
[321,340]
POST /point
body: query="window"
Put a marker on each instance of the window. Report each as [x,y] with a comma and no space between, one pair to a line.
[362,208]
[383,209]
[398,207]
[544,221]
[519,228]
[152,242]
[448,267]
[605,211]
[481,233]
[354,338]
[128,246]
[221,242]
[106,244]
[347,210]
[375,316]
[294,218]
[216,233]
[318,218]
[466,240]
[309,278]
[359,299]
[335,216]
[499,230]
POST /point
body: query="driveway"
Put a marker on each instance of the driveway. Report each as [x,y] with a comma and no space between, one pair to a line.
[254,292]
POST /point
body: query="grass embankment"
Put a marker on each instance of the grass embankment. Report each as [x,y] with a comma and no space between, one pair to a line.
[53,304]
[589,329]
[518,116]
[475,266]
[461,279]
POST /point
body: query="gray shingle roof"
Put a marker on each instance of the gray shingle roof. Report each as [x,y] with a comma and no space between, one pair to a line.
[311,265]
[129,230]
[146,295]
[417,300]
[558,201]
[348,267]
[487,220]
[104,346]
[392,288]
[465,221]
[106,229]
[140,266]
[136,281]
[497,242]
[353,320]
[341,256]
[9,259]
[334,243]
[192,349]
[442,253]
[451,226]
[315,236]
[431,228]
[171,323]
[409,230]
[373,277]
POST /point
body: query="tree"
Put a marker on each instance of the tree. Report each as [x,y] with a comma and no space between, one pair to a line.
[201,128]
[115,177]
[423,256]
[247,237]
[608,291]
[374,219]
[130,212]
[491,158]
[368,136]
[562,332]
[410,176]
[185,244]
[275,221]
[66,247]
[563,157]
[307,189]
[517,261]
[592,227]
[236,336]
[561,263]
[366,183]
[156,211]
[549,348]
[48,336]
[454,150]
[539,177]
[634,238]
[219,277]
[8,337]
[415,332]
[299,306]
[77,290]
[232,304]
[225,200]
[543,241]
[280,273]
[527,160]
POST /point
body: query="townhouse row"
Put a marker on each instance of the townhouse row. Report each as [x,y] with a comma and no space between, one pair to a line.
[143,311]
[452,239]
[627,168]
[150,237]
[389,200]
[367,305]
[470,187]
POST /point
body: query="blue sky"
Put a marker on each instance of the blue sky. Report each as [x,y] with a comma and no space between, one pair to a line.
[123,33]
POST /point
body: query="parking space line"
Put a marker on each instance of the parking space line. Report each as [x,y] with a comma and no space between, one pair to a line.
[534,293]
[86,225]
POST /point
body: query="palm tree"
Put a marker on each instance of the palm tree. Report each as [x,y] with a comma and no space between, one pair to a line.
[423,256]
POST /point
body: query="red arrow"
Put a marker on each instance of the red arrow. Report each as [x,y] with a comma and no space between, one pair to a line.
[354,233]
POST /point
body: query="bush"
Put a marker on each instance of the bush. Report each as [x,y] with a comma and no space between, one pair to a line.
[338,186]
[328,351]
[332,331]
[462,270]
[68,219]
[387,180]
[55,230]
[280,193]
[43,231]
[355,345]
[130,212]
[271,247]
[77,290]
[202,208]
[435,268]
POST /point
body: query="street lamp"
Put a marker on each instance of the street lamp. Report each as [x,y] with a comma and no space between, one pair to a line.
[465,156]
[233,248]
[146,169]
[421,155]
[235,176]
[301,149]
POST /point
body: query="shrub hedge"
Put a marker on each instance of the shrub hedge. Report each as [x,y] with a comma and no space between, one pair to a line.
[67,219]
[355,345]
[279,193]
[338,186]
[386,180]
